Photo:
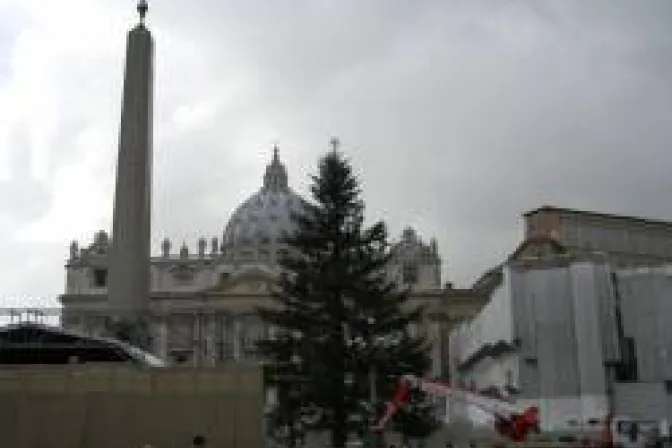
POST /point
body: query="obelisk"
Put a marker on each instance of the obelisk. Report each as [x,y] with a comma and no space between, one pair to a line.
[129,262]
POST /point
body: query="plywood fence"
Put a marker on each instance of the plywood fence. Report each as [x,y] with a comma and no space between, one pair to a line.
[112,407]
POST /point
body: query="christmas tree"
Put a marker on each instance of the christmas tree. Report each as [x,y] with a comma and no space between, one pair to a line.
[337,311]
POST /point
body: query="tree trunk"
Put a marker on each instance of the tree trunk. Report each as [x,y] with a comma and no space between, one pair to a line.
[338,437]
[339,430]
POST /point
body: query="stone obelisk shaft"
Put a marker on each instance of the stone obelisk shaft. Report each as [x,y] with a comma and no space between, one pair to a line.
[129,268]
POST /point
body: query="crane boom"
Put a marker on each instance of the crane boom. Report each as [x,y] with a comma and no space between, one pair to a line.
[440,389]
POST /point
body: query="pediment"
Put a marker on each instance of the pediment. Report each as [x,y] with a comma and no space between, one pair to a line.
[251,281]
[538,247]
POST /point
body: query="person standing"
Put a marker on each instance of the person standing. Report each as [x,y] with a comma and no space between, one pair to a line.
[198,442]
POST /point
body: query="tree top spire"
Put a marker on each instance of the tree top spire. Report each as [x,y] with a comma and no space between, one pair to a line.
[335,144]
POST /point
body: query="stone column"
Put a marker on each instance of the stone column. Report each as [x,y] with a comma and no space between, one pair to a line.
[435,338]
[237,335]
[160,337]
[461,427]
[209,334]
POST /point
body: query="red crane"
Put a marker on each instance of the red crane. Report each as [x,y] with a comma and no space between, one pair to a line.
[510,422]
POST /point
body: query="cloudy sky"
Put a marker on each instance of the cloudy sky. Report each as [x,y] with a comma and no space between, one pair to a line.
[458,114]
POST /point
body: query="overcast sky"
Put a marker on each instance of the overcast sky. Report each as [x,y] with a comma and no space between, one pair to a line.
[459,115]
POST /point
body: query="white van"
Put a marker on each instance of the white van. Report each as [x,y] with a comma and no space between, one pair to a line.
[631,433]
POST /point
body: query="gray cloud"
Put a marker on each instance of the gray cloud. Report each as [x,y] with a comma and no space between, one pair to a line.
[459,115]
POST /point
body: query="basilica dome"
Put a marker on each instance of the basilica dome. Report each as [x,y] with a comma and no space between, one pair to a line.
[257,226]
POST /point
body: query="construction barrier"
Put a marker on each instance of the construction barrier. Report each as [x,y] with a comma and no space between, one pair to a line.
[113,407]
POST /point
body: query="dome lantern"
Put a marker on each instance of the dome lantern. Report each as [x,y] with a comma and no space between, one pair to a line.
[275,178]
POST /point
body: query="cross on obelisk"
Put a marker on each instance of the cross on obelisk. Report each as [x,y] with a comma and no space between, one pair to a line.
[129,262]
[142,10]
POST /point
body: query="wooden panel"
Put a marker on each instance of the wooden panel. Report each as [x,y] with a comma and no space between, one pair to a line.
[90,380]
[10,381]
[132,381]
[109,408]
[180,381]
[46,381]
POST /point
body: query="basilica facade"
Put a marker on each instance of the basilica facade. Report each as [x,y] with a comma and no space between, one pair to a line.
[203,301]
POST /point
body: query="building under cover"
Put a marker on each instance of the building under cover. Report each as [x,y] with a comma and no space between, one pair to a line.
[582,333]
